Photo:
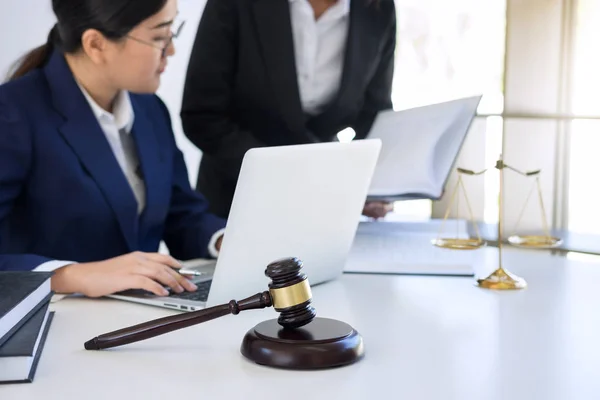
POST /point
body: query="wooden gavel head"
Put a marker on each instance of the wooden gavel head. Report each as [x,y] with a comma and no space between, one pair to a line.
[290,293]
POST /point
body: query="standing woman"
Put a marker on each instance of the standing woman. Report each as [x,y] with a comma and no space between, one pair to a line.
[284,72]
[91,179]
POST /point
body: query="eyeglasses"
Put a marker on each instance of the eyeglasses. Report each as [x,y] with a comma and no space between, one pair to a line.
[164,48]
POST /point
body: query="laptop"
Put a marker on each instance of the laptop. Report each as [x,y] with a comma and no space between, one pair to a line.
[301,201]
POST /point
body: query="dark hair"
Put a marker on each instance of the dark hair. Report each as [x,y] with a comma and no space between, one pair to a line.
[113,18]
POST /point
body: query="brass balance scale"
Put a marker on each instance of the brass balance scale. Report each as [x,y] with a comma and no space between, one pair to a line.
[501,278]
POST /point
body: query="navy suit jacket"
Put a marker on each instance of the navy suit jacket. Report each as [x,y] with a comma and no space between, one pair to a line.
[63,195]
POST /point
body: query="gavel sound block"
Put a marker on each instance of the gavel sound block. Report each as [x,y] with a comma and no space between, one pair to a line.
[296,340]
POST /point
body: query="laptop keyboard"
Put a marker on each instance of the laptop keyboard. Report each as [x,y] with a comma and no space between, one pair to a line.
[199,295]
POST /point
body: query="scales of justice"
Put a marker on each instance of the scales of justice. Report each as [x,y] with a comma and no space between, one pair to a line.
[501,278]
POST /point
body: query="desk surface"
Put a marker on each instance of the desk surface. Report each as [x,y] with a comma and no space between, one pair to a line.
[425,338]
[571,241]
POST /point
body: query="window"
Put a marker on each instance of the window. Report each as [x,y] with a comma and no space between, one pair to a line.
[450,49]
[534,61]
[584,186]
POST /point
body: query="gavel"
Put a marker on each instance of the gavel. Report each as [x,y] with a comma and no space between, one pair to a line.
[297,339]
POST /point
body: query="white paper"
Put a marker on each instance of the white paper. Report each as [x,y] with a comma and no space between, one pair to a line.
[419,147]
[392,248]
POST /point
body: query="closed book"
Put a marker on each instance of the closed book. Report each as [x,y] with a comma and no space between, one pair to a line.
[20,354]
[23,293]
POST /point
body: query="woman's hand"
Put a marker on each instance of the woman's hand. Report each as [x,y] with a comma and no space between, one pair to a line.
[377,209]
[148,271]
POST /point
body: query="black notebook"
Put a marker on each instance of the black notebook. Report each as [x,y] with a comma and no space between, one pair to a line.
[23,293]
[20,354]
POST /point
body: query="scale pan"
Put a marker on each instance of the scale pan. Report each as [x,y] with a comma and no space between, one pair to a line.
[535,241]
[458,244]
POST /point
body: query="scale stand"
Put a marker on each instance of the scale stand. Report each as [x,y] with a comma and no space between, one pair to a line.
[501,278]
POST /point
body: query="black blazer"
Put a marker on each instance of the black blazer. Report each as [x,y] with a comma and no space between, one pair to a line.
[241,87]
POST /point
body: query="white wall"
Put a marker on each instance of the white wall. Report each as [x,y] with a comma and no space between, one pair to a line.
[171,88]
[25,24]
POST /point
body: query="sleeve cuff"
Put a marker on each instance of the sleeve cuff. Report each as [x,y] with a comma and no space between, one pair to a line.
[212,244]
[52,265]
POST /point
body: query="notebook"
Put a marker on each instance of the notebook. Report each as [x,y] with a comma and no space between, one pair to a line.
[419,148]
[23,293]
[20,355]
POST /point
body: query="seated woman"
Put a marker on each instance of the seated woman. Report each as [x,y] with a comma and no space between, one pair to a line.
[91,179]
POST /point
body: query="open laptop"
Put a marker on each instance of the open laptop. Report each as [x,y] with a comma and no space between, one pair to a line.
[300,201]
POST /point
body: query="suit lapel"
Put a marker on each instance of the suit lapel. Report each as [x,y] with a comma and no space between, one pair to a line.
[151,159]
[362,45]
[87,140]
[273,24]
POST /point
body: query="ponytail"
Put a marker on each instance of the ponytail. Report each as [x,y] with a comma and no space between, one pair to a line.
[36,58]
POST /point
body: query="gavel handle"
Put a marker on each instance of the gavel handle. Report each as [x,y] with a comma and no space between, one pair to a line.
[164,325]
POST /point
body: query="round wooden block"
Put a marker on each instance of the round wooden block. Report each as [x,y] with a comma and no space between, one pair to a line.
[323,343]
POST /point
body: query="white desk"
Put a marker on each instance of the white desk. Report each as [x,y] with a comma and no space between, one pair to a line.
[425,337]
